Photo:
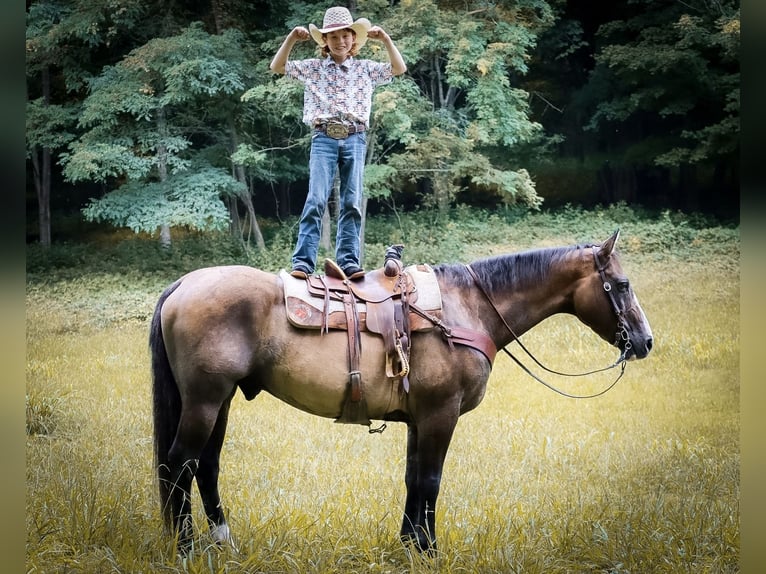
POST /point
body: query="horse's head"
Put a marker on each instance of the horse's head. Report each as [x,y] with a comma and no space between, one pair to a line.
[606,302]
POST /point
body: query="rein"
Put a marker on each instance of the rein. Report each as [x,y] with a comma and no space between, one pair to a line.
[622,334]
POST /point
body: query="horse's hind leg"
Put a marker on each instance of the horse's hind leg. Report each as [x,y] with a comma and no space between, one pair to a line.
[207,477]
[195,428]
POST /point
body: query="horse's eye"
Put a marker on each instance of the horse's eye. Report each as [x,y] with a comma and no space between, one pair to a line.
[623,286]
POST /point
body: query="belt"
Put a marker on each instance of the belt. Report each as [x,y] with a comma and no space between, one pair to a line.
[339,130]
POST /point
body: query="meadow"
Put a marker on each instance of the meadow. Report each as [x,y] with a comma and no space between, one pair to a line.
[640,480]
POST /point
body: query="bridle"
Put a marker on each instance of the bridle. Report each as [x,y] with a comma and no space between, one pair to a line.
[622,325]
[622,334]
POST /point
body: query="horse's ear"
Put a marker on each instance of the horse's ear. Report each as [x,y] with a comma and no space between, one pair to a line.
[607,248]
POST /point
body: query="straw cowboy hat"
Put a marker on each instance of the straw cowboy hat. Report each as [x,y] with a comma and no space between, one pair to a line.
[338,18]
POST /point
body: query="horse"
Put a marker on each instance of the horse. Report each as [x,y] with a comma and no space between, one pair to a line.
[219,329]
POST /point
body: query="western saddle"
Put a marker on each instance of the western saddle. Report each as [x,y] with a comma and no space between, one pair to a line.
[392,302]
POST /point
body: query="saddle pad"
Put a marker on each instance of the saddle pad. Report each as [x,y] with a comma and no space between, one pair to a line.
[307,311]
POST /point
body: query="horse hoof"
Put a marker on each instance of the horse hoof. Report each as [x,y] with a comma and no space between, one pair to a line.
[221,535]
[422,543]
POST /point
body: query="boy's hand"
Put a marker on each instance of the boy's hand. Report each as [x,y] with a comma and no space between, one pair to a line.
[377,33]
[398,66]
[300,34]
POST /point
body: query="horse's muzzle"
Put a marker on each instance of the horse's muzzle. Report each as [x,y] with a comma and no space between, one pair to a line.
[639,349]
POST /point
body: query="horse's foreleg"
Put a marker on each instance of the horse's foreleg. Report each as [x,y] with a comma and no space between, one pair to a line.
[426,450]
[412,503]
[207,478]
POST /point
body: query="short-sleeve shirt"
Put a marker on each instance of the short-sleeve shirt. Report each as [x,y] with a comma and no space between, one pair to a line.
[332,90]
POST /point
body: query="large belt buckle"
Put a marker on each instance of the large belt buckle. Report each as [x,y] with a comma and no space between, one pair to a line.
[337,130]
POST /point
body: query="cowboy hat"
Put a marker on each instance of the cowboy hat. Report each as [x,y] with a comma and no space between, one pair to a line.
[338,18]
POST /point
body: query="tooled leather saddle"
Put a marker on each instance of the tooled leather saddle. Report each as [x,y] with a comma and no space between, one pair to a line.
[378,303]
[391,302]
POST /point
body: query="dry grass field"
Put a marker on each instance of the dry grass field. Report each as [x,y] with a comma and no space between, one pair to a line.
[643,479]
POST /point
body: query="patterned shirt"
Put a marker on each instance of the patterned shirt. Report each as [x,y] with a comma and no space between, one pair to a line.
[332,90]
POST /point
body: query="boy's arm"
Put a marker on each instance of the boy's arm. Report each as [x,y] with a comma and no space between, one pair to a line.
[297,34]
[397,62]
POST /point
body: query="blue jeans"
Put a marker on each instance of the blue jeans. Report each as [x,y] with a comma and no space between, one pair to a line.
[348,156]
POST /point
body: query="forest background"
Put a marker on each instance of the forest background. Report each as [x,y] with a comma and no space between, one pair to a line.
[163,115]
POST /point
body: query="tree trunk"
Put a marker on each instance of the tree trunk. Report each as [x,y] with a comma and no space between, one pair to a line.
[165,240]
[235,224]
[42,175]
[281,193]
[372,141]
[362,230]
[44,200]
[218,11]
[247,196]
[162,169]
[443,192]
[41,160]
[247,199]
[688,187]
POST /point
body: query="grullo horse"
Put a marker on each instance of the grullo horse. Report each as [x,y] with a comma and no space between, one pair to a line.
[219,329]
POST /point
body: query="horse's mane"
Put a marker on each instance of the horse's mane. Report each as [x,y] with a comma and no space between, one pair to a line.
[513,270]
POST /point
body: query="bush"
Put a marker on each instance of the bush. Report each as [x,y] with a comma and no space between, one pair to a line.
[429,237]
[42,414]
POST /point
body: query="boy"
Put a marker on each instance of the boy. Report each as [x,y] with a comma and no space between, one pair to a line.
[337,99]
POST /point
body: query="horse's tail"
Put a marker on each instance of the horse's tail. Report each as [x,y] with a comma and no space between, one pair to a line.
[166,406]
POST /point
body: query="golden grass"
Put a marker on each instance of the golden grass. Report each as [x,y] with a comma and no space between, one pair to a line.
[642,479]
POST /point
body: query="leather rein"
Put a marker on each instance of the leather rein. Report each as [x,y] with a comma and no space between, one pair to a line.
[621,335]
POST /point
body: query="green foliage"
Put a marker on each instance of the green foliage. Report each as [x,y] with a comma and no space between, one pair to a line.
[461,234]
[400,112]
[49,126]
[513,187]
[65,32]
[137,115]
[281,99]
[446,160]
[136,261]
[502,114]
[378,180]
[692,58]
[163,75]
[103,161]
[155,93]
[460,61]
[191,199]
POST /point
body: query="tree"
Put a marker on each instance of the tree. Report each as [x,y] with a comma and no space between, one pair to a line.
[445,125]
[243,157]
[669,77]
[61,37]
[140,116]
[272,132]
[657,87]
[465,112]
[48,129]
